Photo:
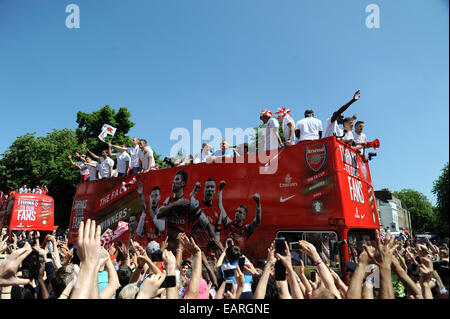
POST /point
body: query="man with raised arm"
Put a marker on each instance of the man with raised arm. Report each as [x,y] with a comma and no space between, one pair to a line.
[177,210]
[133,152]
[84,171]
[332,124]
[236,229]
[308,128]
[149,225]
[106,164]
[207,226]
[123,160]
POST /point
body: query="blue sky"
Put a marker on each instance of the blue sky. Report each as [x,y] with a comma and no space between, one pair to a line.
[173,61]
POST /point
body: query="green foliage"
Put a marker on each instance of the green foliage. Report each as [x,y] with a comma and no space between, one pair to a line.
[90,126]
[440,189]
[35,161]
[423,217]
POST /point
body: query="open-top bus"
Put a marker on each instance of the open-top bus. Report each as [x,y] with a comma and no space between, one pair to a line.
[320,191]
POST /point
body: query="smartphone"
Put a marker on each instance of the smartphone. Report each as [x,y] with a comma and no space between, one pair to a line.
[213,255]
[418,260]
[229,242]
[169,282]
[241,263]
[229,286]
[280,247]
[312,275]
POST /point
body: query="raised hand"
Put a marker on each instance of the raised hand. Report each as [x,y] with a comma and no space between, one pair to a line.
[222,185]
[9,268]
[150,286]
[356,95]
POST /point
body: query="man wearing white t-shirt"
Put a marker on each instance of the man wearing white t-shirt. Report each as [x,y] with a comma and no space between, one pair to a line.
[23,189]
[287,124]
[146,159]
[309,128]
[134,154]
[271,137]
[359,136]
[106,164]
[92,167]
[332,124]
[81,166]
[123,161]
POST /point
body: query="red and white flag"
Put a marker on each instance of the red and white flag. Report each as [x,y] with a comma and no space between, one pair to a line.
[121,228]
[106,237]
[106,130]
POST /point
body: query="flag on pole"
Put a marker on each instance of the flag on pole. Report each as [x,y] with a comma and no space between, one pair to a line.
[106,130]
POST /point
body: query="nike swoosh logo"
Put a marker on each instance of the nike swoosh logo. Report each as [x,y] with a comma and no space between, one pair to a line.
[362,216]
[282,200]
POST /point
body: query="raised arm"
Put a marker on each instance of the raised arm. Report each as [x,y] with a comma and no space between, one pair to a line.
[260,291]
[113,279]
[194,284]
[92,154]
[257,220]
[345,106]
[72,162]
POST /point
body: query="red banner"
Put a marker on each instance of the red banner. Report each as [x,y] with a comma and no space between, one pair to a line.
[32,212]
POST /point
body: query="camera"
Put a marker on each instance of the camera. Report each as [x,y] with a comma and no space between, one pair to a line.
[168,161]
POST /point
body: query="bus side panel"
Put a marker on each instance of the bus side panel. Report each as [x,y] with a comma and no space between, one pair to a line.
[32,212]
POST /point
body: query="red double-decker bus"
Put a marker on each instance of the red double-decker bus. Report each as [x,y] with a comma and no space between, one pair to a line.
[28,212]
[320,191]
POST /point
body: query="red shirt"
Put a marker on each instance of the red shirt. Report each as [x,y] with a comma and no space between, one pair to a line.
[199,234]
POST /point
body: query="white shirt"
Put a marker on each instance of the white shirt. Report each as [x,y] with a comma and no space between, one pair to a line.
[333,128]
[144,155]
[37,191]
[134,151]
[105,164]
[309,128]
[122,159]
[359,138]
[204,156]
[270,138]
[286,129]
[83,168]
[348,136]
[22,190]
[92,171]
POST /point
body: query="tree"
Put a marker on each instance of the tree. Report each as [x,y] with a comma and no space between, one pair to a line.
[423,217]
[34,161]
[440,189]
[90,126]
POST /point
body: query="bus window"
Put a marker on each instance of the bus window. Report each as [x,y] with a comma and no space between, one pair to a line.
[356,238]
[293,237]
[326,245]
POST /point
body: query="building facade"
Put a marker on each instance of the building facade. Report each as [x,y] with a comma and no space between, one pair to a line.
[393,214]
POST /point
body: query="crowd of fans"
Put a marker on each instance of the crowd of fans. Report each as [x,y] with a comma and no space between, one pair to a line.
[139,158]
[33,267]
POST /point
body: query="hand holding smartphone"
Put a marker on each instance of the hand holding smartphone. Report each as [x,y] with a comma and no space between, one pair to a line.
[280,270]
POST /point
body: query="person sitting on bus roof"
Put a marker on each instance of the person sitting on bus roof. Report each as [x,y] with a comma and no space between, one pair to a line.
[37,190]
[288,125]
[224,154]
[205,153]
[308,128]
[106,164]
[23,189]
[81,166]
[271,137]
[146,158]
[332,124]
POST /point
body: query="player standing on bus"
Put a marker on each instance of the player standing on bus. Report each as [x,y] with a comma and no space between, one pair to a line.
[236,229]
[332,124]
[288,125]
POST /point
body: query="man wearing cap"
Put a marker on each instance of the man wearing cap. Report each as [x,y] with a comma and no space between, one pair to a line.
[287,124]
[308,128]
[271,137]
[332,124]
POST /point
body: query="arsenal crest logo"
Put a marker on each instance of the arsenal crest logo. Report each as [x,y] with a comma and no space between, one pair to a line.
[316,156]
